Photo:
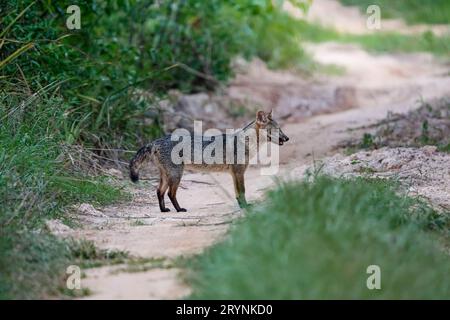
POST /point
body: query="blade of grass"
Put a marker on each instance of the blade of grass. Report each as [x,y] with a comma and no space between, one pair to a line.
[15,54]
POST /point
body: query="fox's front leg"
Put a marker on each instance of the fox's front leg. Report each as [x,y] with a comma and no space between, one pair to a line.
[173,186]
[239,187]
[174,174]
[161,191]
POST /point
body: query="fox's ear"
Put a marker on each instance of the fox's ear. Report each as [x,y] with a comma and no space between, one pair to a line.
[261,118]
[269,115]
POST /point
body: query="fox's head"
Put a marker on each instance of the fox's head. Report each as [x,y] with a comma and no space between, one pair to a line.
[265,121]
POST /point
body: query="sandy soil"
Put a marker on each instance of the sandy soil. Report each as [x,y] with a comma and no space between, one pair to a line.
[378,84]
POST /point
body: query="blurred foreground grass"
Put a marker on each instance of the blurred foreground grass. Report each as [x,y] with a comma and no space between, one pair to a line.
[316,240]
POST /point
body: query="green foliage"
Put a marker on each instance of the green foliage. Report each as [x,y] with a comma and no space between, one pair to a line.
[316,240]
[95,66]
[367,141]
[424,138]
[414,11]
[444,148]
[34,181]
[124,45]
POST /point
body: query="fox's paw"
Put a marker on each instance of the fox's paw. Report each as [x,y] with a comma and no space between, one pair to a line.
[182,210]
[165,210]
[245,205]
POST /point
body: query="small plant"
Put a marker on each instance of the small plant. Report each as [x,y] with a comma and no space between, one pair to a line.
[444,148]
[367,141]
[366,170]
[137,223]
[424,137]
[414,11]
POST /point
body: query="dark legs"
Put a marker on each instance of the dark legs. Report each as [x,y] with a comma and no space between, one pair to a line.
[239,187]
[160,192]
[172,184]
[173,195]
[171,180]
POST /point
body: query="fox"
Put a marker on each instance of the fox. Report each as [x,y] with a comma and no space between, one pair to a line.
[161,151]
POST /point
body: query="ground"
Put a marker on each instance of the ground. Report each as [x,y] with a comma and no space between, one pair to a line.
[317,114]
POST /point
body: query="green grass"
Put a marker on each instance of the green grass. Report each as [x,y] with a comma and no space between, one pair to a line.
[36,177]
[379,42]
[445,148]
[37,182]
[413,11]
[392,42]
[277,42]
[316,240]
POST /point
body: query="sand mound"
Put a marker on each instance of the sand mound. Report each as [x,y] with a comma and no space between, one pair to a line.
[422,171]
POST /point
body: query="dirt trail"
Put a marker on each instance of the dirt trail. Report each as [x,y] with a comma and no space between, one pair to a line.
[381,83]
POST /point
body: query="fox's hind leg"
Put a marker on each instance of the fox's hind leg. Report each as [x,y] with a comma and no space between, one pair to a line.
[161,191]
[174,182]
[173,186]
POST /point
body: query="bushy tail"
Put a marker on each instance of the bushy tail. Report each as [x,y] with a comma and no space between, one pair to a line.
[139,158]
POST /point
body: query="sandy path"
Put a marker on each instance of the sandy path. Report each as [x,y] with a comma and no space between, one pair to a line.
[168,236]
[382,83]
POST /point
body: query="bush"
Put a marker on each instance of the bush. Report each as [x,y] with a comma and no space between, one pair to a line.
[123,45]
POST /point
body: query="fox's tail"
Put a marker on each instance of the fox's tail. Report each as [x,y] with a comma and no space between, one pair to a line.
[139,158]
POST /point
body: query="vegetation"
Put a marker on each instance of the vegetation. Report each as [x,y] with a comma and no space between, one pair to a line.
[316,240]
[392,42]
[413,11]
[36,184]
[69,96]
